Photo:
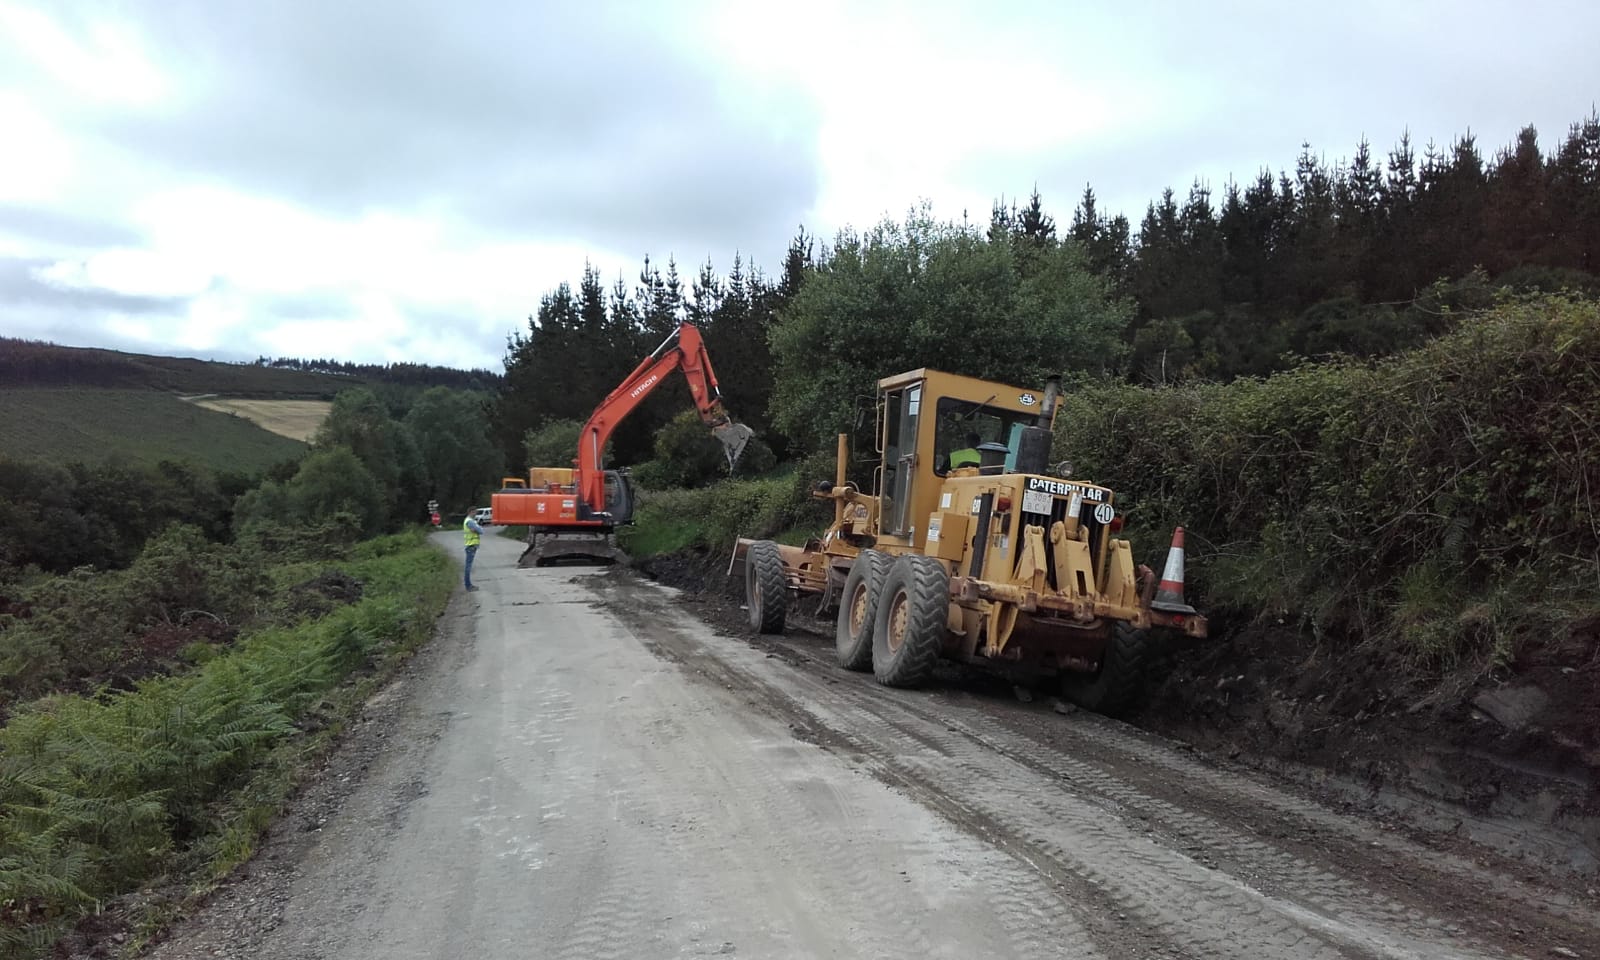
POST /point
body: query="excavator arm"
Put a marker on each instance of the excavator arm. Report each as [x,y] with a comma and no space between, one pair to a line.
[683,350]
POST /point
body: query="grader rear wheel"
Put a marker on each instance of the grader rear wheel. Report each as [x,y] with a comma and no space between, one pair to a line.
[766,587]
[858,609]
[912,621]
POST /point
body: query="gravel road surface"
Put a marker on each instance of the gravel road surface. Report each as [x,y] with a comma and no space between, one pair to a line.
[578,767]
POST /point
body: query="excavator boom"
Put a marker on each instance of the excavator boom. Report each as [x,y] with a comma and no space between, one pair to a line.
[684,350]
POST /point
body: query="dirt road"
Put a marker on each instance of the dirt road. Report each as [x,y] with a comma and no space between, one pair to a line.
[578,767]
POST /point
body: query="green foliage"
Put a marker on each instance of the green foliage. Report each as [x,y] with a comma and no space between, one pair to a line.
[451,432]
[1442,495]
[102,514]
[142,427]
[333,481]
[332,485]
[98,794]
[687,455]
[553,445]
[359,422]
[87,624]
[1008,306]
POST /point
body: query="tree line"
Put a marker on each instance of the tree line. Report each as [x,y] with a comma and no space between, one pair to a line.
[582,342]
[1360,258]
[401,374]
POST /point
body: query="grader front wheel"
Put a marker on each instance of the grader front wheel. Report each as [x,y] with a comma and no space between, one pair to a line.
[1115,684]
[858,609]
[766,587]
[913,618]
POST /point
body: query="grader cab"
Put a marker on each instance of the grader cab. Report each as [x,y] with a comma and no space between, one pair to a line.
[971,547]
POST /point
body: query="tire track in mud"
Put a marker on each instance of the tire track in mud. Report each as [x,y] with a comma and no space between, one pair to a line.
[1277,819]
[849,870]
[1071,820]
[1290,839]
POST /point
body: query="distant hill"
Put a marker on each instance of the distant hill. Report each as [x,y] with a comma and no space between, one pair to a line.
[84,403]
[32,363]
[64,424]
[28,363]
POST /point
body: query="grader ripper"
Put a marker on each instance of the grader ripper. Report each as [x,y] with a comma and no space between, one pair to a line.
[1002,562]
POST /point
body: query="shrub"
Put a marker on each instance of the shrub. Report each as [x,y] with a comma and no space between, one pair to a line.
[556,444]
[688,455]
[1381,496]
[716,515]
[334,481]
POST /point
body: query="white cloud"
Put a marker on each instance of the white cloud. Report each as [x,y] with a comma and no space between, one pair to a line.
[305,178]
[38,160]
[102,62]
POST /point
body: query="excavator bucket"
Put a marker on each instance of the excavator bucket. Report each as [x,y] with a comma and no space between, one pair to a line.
[545,549]
[735,437]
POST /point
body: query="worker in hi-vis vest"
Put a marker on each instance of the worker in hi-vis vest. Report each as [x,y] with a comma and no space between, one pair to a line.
[967,456]
[472,534]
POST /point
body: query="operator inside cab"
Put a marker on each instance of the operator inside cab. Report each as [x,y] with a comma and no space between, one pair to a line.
[967,456]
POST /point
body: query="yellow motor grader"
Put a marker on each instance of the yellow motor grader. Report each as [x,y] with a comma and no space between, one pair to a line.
[971,547]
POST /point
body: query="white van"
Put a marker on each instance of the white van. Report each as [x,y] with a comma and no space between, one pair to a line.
[483,515]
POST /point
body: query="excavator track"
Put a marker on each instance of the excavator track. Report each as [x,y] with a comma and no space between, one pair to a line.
[545,549]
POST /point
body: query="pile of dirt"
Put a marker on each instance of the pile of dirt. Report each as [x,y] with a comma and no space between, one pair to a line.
[702,575]
[1521,745]
[696,571]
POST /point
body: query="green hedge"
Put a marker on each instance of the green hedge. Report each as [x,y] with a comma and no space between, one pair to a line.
[1444,496]
[98,794]
[714,516]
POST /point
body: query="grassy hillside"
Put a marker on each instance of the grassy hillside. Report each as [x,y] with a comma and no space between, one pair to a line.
[89,424]
[295,419]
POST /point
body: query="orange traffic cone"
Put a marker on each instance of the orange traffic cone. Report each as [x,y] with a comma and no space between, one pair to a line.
[1169,594]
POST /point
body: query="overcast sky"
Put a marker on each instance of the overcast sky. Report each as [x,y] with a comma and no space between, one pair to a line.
[402,181]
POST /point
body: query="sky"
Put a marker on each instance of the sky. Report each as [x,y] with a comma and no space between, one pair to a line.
[402,181]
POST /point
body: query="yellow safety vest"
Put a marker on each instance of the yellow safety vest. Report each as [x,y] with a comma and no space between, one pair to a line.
[965,457]
[471,535]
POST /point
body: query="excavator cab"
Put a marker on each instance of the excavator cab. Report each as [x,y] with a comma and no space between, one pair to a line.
[619,497]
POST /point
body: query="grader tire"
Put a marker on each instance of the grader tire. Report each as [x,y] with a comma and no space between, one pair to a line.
[1115,686]
[858,609]
[913,620]
[766,587]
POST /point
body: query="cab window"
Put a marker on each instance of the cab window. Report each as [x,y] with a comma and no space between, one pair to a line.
[966,424]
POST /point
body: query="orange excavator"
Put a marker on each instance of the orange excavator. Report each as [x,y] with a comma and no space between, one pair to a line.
[575,512]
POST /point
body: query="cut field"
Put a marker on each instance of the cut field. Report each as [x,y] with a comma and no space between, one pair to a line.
[89,424]
[295,419]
